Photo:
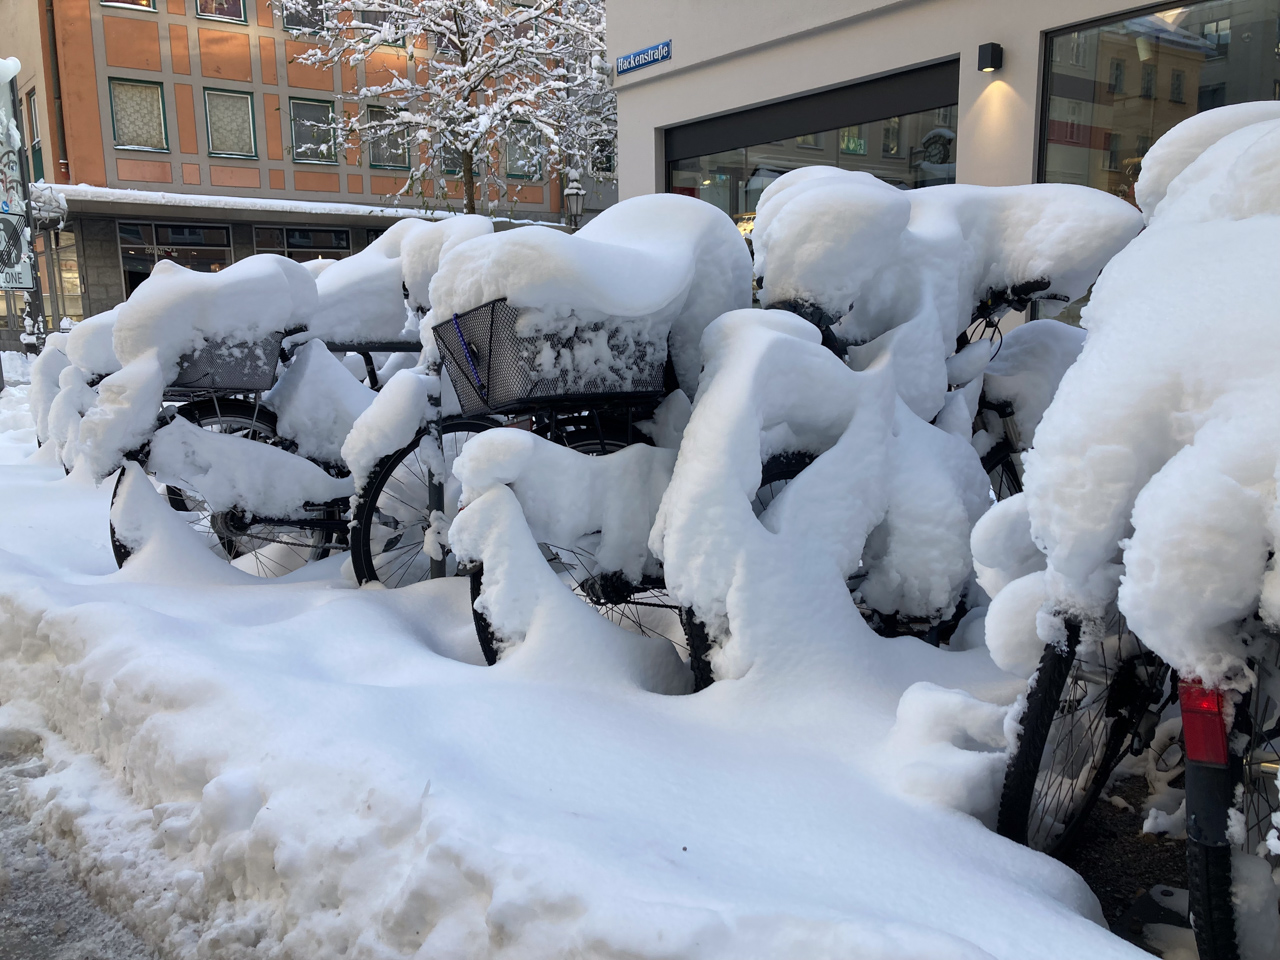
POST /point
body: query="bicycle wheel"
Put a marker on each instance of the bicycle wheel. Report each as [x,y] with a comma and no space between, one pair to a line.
[394,511]
[644,608]
[1230,806]
[1082,711]
[265,550]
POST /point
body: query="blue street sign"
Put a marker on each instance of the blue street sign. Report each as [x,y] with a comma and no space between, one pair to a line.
[644,58]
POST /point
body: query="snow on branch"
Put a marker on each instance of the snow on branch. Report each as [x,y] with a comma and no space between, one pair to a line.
[483,93]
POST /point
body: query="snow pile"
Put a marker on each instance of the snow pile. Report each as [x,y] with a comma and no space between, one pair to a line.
[361,298]
[1161,447]
[316,401]
[644,268]
[901,273]
[1027,370]
[16,366]
[90,344]
[177,312]
[426,248]
[299,768]
[45,371]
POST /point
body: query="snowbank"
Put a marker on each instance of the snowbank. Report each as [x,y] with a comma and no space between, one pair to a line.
[16,366]
[648,266]
[1161,446]
[900,273]
[300,768]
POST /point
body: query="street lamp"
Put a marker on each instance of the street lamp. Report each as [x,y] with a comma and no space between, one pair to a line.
[574,197]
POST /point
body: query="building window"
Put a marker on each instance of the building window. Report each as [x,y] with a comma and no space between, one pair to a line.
[379,20]
[811,141]
[853,140]
[1111,151]
[524,153]
[303,243]
[1148,81]
[229,119]
[1217,33]
[136,4]
[196,246]
[222,10]
[388,145]
[602,161]
[314,134]
[1185,68]
[1144,144]
[1115,79]
[891,137]
[303,15]
[37,153]
[137,115]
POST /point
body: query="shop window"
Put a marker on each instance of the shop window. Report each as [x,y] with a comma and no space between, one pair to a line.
[1184,53]
[917,150]
[58,267]
[853,140]
[203,247]
[314,133]
[232,10]
[891,137]
[389,145]
[229,118]
[303,243]
[137,115]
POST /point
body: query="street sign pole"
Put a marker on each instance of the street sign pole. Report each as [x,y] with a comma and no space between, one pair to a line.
[18,267]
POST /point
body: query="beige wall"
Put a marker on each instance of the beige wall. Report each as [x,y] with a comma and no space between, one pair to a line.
[732,54]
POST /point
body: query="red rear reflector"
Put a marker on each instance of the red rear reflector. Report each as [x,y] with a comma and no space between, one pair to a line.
[1203,731]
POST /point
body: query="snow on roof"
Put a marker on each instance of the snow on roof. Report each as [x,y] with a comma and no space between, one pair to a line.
[83,192]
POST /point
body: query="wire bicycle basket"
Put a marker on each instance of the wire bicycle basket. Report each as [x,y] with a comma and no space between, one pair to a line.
[495,370]
[223,365]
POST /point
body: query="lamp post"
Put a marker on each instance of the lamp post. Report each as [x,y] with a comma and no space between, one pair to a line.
[574,197]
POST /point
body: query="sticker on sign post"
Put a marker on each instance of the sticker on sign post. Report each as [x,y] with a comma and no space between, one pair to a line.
[15,264]
[644,58]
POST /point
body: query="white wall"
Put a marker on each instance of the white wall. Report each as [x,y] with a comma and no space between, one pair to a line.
[730,54]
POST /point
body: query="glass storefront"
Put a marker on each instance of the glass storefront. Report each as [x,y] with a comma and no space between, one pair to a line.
[1114,89]
[59,270]
[303,243]
[196,246]
[912,150]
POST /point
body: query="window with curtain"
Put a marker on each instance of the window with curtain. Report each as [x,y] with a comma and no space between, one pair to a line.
[137,115]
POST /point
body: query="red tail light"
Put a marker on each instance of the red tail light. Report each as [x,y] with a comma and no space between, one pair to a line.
[1203,730]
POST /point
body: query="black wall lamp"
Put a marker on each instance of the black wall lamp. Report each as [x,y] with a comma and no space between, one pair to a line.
[990,57]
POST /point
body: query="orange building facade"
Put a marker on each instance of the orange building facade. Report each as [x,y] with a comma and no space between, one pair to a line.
[201,110]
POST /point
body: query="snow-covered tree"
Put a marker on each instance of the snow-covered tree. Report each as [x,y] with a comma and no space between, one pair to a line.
[490,89]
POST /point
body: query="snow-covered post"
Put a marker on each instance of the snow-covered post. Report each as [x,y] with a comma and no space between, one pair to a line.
[505,89]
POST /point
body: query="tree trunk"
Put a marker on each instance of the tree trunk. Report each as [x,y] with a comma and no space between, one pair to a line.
[468,184]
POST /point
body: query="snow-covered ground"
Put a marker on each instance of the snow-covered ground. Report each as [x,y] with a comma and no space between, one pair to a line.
[299,768]
[16,366]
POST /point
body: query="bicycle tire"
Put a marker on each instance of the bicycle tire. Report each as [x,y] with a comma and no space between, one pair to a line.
[1055,775]
[627,605]
[252,547]
[1247,787]
[399,498]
